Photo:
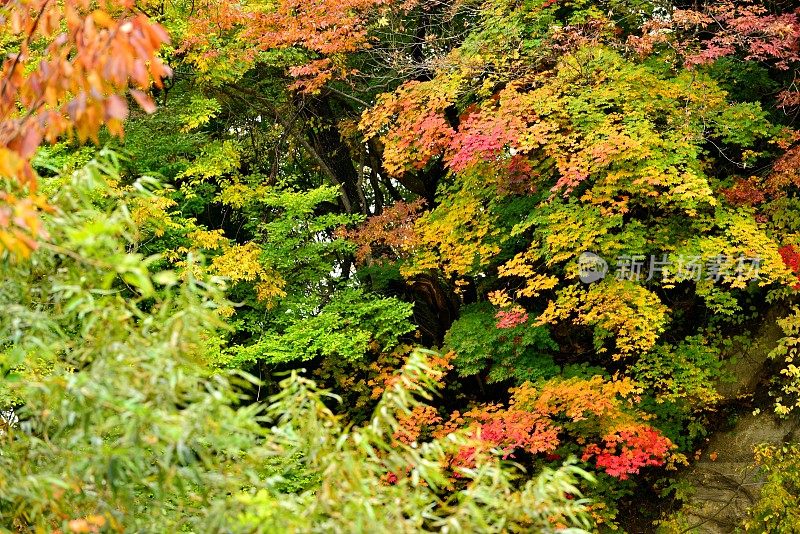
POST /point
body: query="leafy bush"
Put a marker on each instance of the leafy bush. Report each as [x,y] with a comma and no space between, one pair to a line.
[520,353]
[126,427]
[778,508]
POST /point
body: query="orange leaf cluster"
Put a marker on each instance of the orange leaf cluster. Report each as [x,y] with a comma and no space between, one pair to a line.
[388,235]
[387,375]
[413,423]
[327,30]
[410,122]
[72,87]
[539,417]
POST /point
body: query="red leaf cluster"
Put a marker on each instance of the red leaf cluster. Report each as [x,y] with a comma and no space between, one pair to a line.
[511,318]
[744,193]
[785,173]
[791,258]
[483,137]
[540,418]
[747,27]
[626,451]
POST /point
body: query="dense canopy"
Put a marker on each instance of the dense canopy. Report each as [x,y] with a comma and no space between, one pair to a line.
[394,265]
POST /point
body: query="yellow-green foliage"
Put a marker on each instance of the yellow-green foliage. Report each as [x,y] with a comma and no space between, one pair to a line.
[778,508]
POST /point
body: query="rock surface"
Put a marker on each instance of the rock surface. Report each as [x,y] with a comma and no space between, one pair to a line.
[725,488]
[724,481]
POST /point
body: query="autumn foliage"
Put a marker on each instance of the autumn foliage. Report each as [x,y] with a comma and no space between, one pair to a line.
[539,418]
[70,87]
[392,203]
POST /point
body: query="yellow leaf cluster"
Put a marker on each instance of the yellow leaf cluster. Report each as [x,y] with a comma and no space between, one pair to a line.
[631,314]
[152,213]
[535,283]
[208,239]
[456,239]
[242,263]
